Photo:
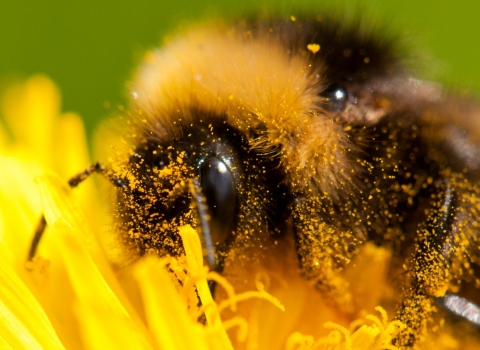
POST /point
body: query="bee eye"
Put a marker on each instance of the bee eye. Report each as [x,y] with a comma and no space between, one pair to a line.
[219,191]
[336,96]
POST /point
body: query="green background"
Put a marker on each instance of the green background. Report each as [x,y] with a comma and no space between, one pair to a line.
[90,47]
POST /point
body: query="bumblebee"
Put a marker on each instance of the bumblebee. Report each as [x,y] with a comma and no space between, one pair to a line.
[309,129]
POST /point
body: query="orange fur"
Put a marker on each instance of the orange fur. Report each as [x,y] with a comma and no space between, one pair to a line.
[259,86]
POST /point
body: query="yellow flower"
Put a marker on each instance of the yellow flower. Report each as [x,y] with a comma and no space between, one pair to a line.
[71,296]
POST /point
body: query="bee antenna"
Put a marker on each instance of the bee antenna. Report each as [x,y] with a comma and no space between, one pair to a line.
[98,168]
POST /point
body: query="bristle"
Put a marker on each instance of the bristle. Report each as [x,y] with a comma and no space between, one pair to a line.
[266,82]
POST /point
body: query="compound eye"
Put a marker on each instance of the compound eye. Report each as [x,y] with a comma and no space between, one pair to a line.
[219,191]
[336,96]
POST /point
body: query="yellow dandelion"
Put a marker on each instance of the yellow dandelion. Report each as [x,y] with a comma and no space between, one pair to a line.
[72,297]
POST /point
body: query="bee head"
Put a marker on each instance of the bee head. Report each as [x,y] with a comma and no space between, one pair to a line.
[204,176]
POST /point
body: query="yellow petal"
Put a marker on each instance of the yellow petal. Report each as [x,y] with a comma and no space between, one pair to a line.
[193,252]
[30,111]
[97,303]
[19,217]
[93,283]
[167,315]
[23,323]
[72,152]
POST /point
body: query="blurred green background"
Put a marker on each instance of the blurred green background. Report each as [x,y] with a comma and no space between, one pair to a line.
[90,47]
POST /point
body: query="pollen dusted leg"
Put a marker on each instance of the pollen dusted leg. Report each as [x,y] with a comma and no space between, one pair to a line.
[436,255]
[323,250]
[74,182]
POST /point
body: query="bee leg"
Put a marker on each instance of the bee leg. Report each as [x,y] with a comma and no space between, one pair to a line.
[201,207]
[74,182]
[462,308]
[429,272]
[322,251]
